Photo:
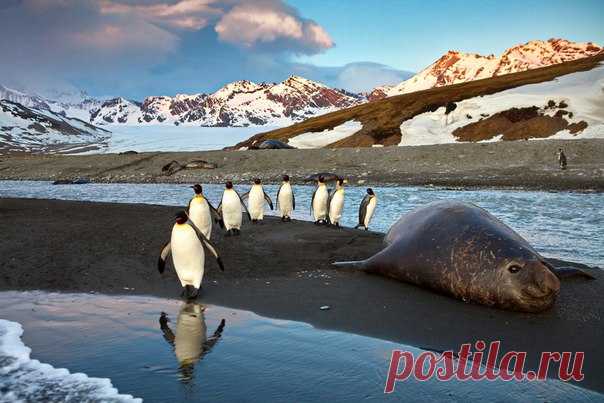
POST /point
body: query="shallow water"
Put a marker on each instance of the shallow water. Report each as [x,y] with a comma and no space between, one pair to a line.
[255,359]
[564,225]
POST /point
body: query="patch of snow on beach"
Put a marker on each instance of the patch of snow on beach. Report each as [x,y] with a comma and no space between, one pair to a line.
[24,379]
[176,138]
[583,92]
[326,137]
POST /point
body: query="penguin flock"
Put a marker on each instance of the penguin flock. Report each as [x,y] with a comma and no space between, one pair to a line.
[192,229]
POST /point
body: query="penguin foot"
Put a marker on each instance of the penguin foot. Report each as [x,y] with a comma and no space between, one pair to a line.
[229,232]
[190,292]
[254,221]
[236,232]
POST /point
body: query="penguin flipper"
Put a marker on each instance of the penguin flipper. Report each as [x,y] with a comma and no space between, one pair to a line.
[163,256]
[363,210]
[243,204]
[163,325]
[217,216]
[312,200]
[277,200]
[208,244]
[269,201]
[209,343]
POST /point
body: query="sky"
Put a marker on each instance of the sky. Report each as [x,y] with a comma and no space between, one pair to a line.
[137,48]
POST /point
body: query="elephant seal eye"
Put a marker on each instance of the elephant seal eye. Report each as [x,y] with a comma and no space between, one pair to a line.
[514,268]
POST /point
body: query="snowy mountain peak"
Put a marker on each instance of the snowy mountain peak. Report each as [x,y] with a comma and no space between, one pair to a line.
[239,103]
[458,67]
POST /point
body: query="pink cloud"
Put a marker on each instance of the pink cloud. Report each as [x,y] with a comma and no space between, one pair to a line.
[184,14]
[249,24]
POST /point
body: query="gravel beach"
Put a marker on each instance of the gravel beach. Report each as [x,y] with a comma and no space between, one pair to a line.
[504,164]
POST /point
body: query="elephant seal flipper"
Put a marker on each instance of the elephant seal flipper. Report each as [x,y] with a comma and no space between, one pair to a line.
[566,272]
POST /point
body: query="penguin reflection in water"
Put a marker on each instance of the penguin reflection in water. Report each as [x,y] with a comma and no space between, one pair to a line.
[256,199]
[286,201]
[336,203]
[186,244]
[190,341]
[230,210]
[319,207]
[366,209]
[201,212]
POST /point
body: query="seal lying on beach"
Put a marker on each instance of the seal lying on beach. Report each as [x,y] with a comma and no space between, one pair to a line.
[327,177]
[274,145]
[461,250]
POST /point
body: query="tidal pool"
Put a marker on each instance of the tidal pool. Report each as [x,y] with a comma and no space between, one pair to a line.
[207,353]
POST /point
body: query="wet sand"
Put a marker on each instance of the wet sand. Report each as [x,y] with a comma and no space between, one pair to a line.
[281,270]
[503,164]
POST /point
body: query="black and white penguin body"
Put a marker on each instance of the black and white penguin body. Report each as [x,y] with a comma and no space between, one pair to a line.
[366,209]
[286,200]
[231,209]
[319,203]
[257,197]
[187,244]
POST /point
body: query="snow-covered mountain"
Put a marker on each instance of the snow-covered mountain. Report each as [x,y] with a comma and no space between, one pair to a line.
[30,129]
[457,67]
[240,103]
[78,105]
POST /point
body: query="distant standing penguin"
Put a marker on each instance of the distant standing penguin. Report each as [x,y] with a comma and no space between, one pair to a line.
[286,200]
[366,209]
[256,198]
[201,211]
[230,209]
[336,203]
[186,244]
[318,204]
[561,159]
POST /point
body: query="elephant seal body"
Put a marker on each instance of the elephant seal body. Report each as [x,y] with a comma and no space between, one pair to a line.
[274,145]
[327,177]
[461,250]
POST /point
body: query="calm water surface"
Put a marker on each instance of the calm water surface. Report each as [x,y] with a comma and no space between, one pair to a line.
[119,343]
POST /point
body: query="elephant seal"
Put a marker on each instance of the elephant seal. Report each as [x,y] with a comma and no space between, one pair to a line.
[461,250]
[274,145]
[327,177]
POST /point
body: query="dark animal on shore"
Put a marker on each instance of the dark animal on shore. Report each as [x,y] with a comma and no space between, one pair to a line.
[327,177]
[274,145]
[461,250]
[77,181]
[174,166]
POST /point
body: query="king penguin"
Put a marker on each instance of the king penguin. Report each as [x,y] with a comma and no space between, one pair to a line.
[318,204]
[190,341]
[366,209]
[286,201]
[256,199]
[201,212]
[230,209]
[186,244]
[336,203]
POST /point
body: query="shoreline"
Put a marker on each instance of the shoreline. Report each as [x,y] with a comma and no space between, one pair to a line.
[281,270]
[522,165]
